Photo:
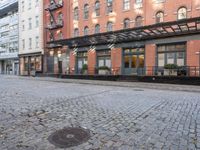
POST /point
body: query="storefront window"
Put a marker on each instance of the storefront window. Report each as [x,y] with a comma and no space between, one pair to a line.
[81,59]
[126,61]
[38,63]
[104,58]
[134,58]
[171,54]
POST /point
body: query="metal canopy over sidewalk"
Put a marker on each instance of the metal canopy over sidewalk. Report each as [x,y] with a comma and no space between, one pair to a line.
[161,30]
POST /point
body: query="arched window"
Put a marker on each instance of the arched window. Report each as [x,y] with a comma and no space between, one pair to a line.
[109,6]
[182,13]
[76,15]
[97,8]
[60,18]
[86,30]
[76,32]
[60,35]
[86,11]
[109,26]
[97,28]
[138,21]
[159,17]
[126,23]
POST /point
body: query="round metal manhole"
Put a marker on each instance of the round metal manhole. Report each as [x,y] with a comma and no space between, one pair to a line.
[69,137]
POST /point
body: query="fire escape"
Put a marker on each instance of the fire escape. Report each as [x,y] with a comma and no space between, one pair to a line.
[54,23]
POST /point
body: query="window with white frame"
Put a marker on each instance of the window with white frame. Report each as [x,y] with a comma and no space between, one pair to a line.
[30,43]
[126,4]
[182,13]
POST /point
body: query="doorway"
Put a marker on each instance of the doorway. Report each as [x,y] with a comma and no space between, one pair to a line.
[133,61]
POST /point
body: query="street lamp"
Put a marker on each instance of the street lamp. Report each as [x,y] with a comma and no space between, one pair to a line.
[198,53]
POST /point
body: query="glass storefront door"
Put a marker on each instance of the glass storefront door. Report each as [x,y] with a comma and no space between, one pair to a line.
[134,61]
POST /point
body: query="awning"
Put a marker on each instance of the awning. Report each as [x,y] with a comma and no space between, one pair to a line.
[155,31]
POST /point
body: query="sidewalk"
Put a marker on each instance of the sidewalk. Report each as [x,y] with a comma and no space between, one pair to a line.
[171,87]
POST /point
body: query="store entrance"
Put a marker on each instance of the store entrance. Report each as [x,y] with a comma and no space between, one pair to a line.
[134,61]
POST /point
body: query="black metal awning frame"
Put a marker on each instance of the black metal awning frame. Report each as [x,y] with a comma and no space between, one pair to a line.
[156,31]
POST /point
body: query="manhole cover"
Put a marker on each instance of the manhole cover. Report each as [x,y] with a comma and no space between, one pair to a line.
[69,137]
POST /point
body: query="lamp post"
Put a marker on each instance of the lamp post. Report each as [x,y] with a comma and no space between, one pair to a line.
[198,53]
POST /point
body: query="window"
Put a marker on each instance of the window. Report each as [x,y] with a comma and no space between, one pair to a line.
[51,20]
[109,26]
[22,6]
[30,23]
[97,28]
[60,18]
[86,30]
[30,43]
[51,2]
[160,1]
[86,11]
[171,54]
[60,2]
[109,6]
[51,37]
[97,8]
[76,15]
[182,13]
[36,3]
[81,60]
[138,1]
[138,21]
[60,35]
[23,44]
[76,32]
[23,25]
[126,23]
[36,21]
[37,41]
[126,4]
[104,58]
[159,17]
[29,4]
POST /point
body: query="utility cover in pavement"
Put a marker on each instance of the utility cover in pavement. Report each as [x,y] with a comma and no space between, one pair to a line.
[69,137]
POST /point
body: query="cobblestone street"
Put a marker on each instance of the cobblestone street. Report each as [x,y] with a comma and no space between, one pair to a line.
[119,118]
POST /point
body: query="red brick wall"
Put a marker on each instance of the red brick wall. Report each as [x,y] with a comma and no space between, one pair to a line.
[192,48]
[116,60]
[91,62]
[148,12]
[150,54]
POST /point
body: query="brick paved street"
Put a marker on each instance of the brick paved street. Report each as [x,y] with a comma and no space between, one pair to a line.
[124,118]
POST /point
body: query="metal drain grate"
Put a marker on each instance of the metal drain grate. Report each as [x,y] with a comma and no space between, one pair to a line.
[69,137]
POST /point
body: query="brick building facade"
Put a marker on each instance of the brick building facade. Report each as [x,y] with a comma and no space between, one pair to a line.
[131,37]
[56,27]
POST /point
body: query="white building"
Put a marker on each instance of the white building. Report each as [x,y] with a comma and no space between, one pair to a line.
[9,63]
[31,36]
